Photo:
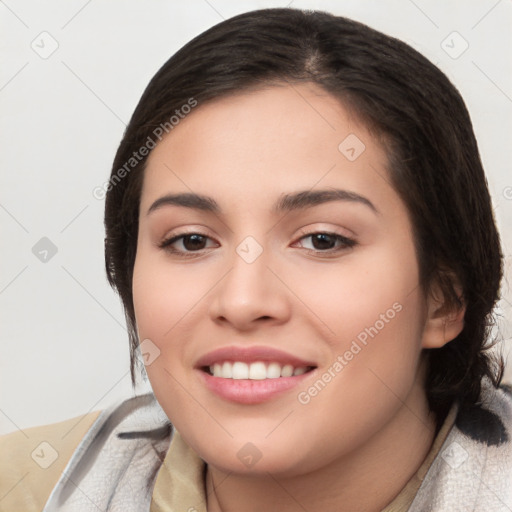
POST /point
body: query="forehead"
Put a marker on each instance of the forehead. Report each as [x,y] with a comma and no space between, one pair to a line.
[297,112]
[263,142]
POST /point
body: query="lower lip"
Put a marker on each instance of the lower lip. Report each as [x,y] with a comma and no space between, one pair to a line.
[247,391]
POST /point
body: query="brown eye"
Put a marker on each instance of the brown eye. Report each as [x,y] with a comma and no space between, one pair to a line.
[186,244]
[194,242]
[327,242]
[323,241]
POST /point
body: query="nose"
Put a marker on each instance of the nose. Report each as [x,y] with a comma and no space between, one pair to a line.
[251,293]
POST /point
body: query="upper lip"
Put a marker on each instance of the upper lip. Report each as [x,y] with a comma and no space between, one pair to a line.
[251,355]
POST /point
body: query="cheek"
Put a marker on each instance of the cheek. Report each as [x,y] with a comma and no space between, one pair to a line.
[374,288]
[164,295]
[163,304]
[370,310]
[170,303]
[372,314]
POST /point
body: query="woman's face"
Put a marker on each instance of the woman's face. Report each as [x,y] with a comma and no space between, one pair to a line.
[274,252]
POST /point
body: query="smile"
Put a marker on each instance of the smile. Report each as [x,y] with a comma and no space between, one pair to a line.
[252,375]
[258,370]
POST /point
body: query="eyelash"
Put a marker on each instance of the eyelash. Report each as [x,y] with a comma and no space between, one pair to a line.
[347,243]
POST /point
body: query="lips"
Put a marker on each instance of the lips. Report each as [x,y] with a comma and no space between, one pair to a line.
[251,375]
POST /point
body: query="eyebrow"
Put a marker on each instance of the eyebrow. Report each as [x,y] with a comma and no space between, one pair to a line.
[286,203]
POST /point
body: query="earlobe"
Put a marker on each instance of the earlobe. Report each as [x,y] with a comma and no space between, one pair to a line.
[444,322]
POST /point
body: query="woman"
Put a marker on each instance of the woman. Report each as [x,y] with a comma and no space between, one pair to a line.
[299,227]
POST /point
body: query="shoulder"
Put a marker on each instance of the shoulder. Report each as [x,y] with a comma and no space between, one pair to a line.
[33,460]
[116,461]
[473,470]
[39,465]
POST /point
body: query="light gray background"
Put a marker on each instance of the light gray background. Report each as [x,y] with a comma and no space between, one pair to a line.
[64,345]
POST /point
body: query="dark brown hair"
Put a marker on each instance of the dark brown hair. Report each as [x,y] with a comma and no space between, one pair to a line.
[409,103]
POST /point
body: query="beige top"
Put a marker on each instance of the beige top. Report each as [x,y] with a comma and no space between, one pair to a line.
[32,461]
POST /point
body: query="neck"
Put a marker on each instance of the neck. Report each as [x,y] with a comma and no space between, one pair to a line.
[366,479]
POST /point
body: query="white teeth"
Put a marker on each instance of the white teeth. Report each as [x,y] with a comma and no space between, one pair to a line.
[227,370]
[273,371]
[255,371]
[240,370]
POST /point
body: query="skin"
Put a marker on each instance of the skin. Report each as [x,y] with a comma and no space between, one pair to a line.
[356,443]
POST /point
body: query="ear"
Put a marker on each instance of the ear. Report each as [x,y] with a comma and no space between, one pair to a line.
[444,321]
